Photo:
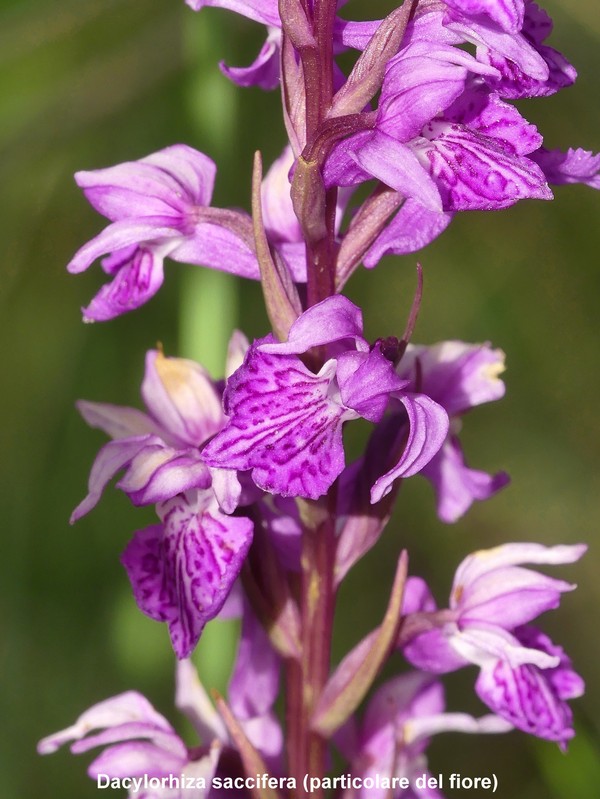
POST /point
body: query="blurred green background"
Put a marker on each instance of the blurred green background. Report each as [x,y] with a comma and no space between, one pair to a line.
[90,83]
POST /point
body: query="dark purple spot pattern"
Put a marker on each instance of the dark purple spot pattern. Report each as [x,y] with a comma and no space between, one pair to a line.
[283,426]
[531,698]
[182,571]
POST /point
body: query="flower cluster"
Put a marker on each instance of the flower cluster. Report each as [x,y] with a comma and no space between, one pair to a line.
[260,512]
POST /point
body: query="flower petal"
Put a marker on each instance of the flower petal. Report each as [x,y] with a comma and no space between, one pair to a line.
[474,172]
[125,708]
[264,70]
[333,319]
[456,485]
[457,375]
[217,247]
[182,571]
[133,285]
[181,396]
[112,457]
[428,428]
[528,697]
[119,236]
[396,165]
[265,11]
[411,229]
[283,426]
[574,166]
[487,560]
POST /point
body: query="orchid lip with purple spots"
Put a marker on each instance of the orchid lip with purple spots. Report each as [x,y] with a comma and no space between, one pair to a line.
[285,421]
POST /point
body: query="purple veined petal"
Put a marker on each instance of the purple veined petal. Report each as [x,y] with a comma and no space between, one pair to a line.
[456,485]
[181,396]
[507,14]
[158,473]
[163,740]
[254,684]
[457,375]
[574,166]
[412,228]
[515,84]
[524,697]
[510,597]
[133,285]
[264,70]
[164,185]
[487,560]
[193,172]
[281,223]
[487,643]
[182,571]
[113,262]
[265,11]
[332,319]
[117,421]
[486,113]
[421,82]
[366,381]
[427,432]
[216,247]
[512,46]
[112,457]
[565,682]
[192,700]
[134,191]
[282,425]
[135,759]
[118,236]
[125,708]
[515,81]
[396,165]
[473,172]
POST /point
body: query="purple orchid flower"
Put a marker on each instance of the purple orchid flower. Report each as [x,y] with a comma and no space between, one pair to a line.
[143,752]
[146,756]
[160,449]
[434,115]
[387,751]
[514,81]
[524,677]
[285,421]
[183,569]
[459,377]
[159,206]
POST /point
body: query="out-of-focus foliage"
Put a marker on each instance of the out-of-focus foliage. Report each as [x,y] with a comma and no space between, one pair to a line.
[89,83]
